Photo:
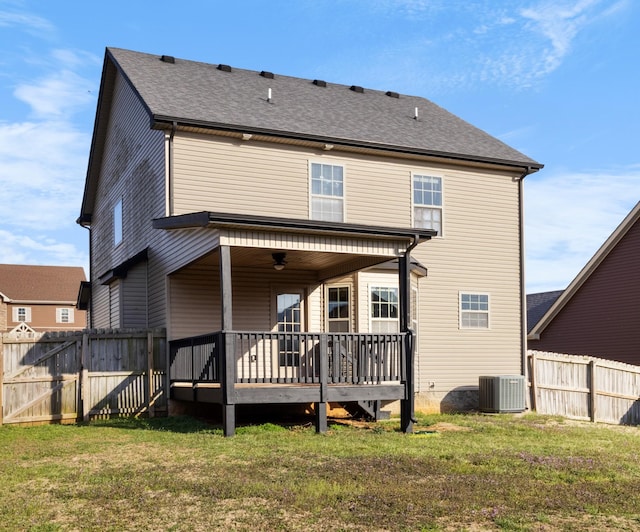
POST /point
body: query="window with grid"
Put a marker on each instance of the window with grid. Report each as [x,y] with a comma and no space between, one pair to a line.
[64,315]
[22,314]
[474,311]
[327,192]
[384,309]
[427,202]
[338,318]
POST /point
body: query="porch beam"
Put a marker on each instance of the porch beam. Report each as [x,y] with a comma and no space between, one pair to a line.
[227,347]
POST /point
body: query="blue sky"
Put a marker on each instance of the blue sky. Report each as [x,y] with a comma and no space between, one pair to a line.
[558,80]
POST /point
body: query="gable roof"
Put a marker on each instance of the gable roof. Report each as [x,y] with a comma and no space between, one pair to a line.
[538,304]
[56,284]
[630,220]
[197,94]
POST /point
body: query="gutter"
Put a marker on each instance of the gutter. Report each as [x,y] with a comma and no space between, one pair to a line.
[165,122]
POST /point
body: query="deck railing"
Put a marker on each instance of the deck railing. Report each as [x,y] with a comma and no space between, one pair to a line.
[290,358]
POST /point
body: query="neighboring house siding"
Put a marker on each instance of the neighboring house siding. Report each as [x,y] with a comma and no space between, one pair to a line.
[43,317]
[602,318]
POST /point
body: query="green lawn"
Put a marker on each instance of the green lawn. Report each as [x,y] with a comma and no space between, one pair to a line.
[464,472]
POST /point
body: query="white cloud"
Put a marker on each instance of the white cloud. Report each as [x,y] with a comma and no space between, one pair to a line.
[568,216]
[28,21]
[56,95]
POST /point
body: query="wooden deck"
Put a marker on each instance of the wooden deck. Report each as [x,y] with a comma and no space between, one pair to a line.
[249,367]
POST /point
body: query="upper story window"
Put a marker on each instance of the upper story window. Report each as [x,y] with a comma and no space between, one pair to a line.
[117,222]
[22,314]
[474,311]
[384,309]
[327,192]
[338,303]
[427,202]
[64,315]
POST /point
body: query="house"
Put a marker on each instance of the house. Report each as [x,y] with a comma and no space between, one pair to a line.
[282,229]
[538,304]
[40,298]
[598,313]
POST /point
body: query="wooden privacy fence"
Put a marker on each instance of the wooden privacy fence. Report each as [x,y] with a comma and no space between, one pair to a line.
[586,388]
[79,375]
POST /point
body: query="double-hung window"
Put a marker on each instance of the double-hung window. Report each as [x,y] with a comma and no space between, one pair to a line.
[327,192]
[21,314]
[384,309]
[474,311]
[427,202]
[338,302]
[64,315]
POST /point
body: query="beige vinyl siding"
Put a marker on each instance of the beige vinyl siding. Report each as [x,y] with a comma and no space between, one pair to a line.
[134,297]
[115,305]
[195,301]
[100,300]
[478,254]
[221,174]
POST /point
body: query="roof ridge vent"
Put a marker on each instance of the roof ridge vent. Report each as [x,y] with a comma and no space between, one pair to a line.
[168,59]
[224,68]
[356,88]
[392,94]
[268,75]
[319,83]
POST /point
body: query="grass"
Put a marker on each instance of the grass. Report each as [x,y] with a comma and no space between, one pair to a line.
[457,472]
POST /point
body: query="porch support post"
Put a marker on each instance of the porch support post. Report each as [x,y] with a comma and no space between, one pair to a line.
[321,406]
[407,413]
[227,348]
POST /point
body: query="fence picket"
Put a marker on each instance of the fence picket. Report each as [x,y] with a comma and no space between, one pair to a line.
[78,375]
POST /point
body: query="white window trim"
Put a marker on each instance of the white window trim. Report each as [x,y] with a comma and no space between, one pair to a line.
[460,311]
[59,312]
[350,302]
[27,313]
[344,186]
[441,207]
[372,285]
[118,234]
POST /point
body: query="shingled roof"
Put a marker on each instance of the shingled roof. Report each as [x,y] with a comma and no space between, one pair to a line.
[59,284]
[218,96]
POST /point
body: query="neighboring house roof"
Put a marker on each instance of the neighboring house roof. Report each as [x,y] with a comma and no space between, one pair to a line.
[538,304]
[26,283]
[197,94]
[630,220]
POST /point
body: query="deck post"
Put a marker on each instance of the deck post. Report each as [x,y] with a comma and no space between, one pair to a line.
[321,406]
[407,404]
[227,377]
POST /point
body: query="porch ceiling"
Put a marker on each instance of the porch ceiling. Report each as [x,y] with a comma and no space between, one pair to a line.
[326,265]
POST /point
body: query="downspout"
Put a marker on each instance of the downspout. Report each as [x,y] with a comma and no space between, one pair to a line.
[169,171]
[88,228]
[523,294]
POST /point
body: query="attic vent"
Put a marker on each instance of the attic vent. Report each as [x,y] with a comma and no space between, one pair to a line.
[356,88]
[319,83]
[265,74]
[224,68]
[168,59]
[392,94]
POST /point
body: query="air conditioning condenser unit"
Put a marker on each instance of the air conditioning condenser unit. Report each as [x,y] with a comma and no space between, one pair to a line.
[502,393]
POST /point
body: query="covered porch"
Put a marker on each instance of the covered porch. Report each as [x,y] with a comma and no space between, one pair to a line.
[265,348]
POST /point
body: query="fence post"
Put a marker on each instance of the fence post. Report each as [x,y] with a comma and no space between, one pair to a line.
[151,401]
[1,376]
[532,379]
[85,391]
[592,390]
